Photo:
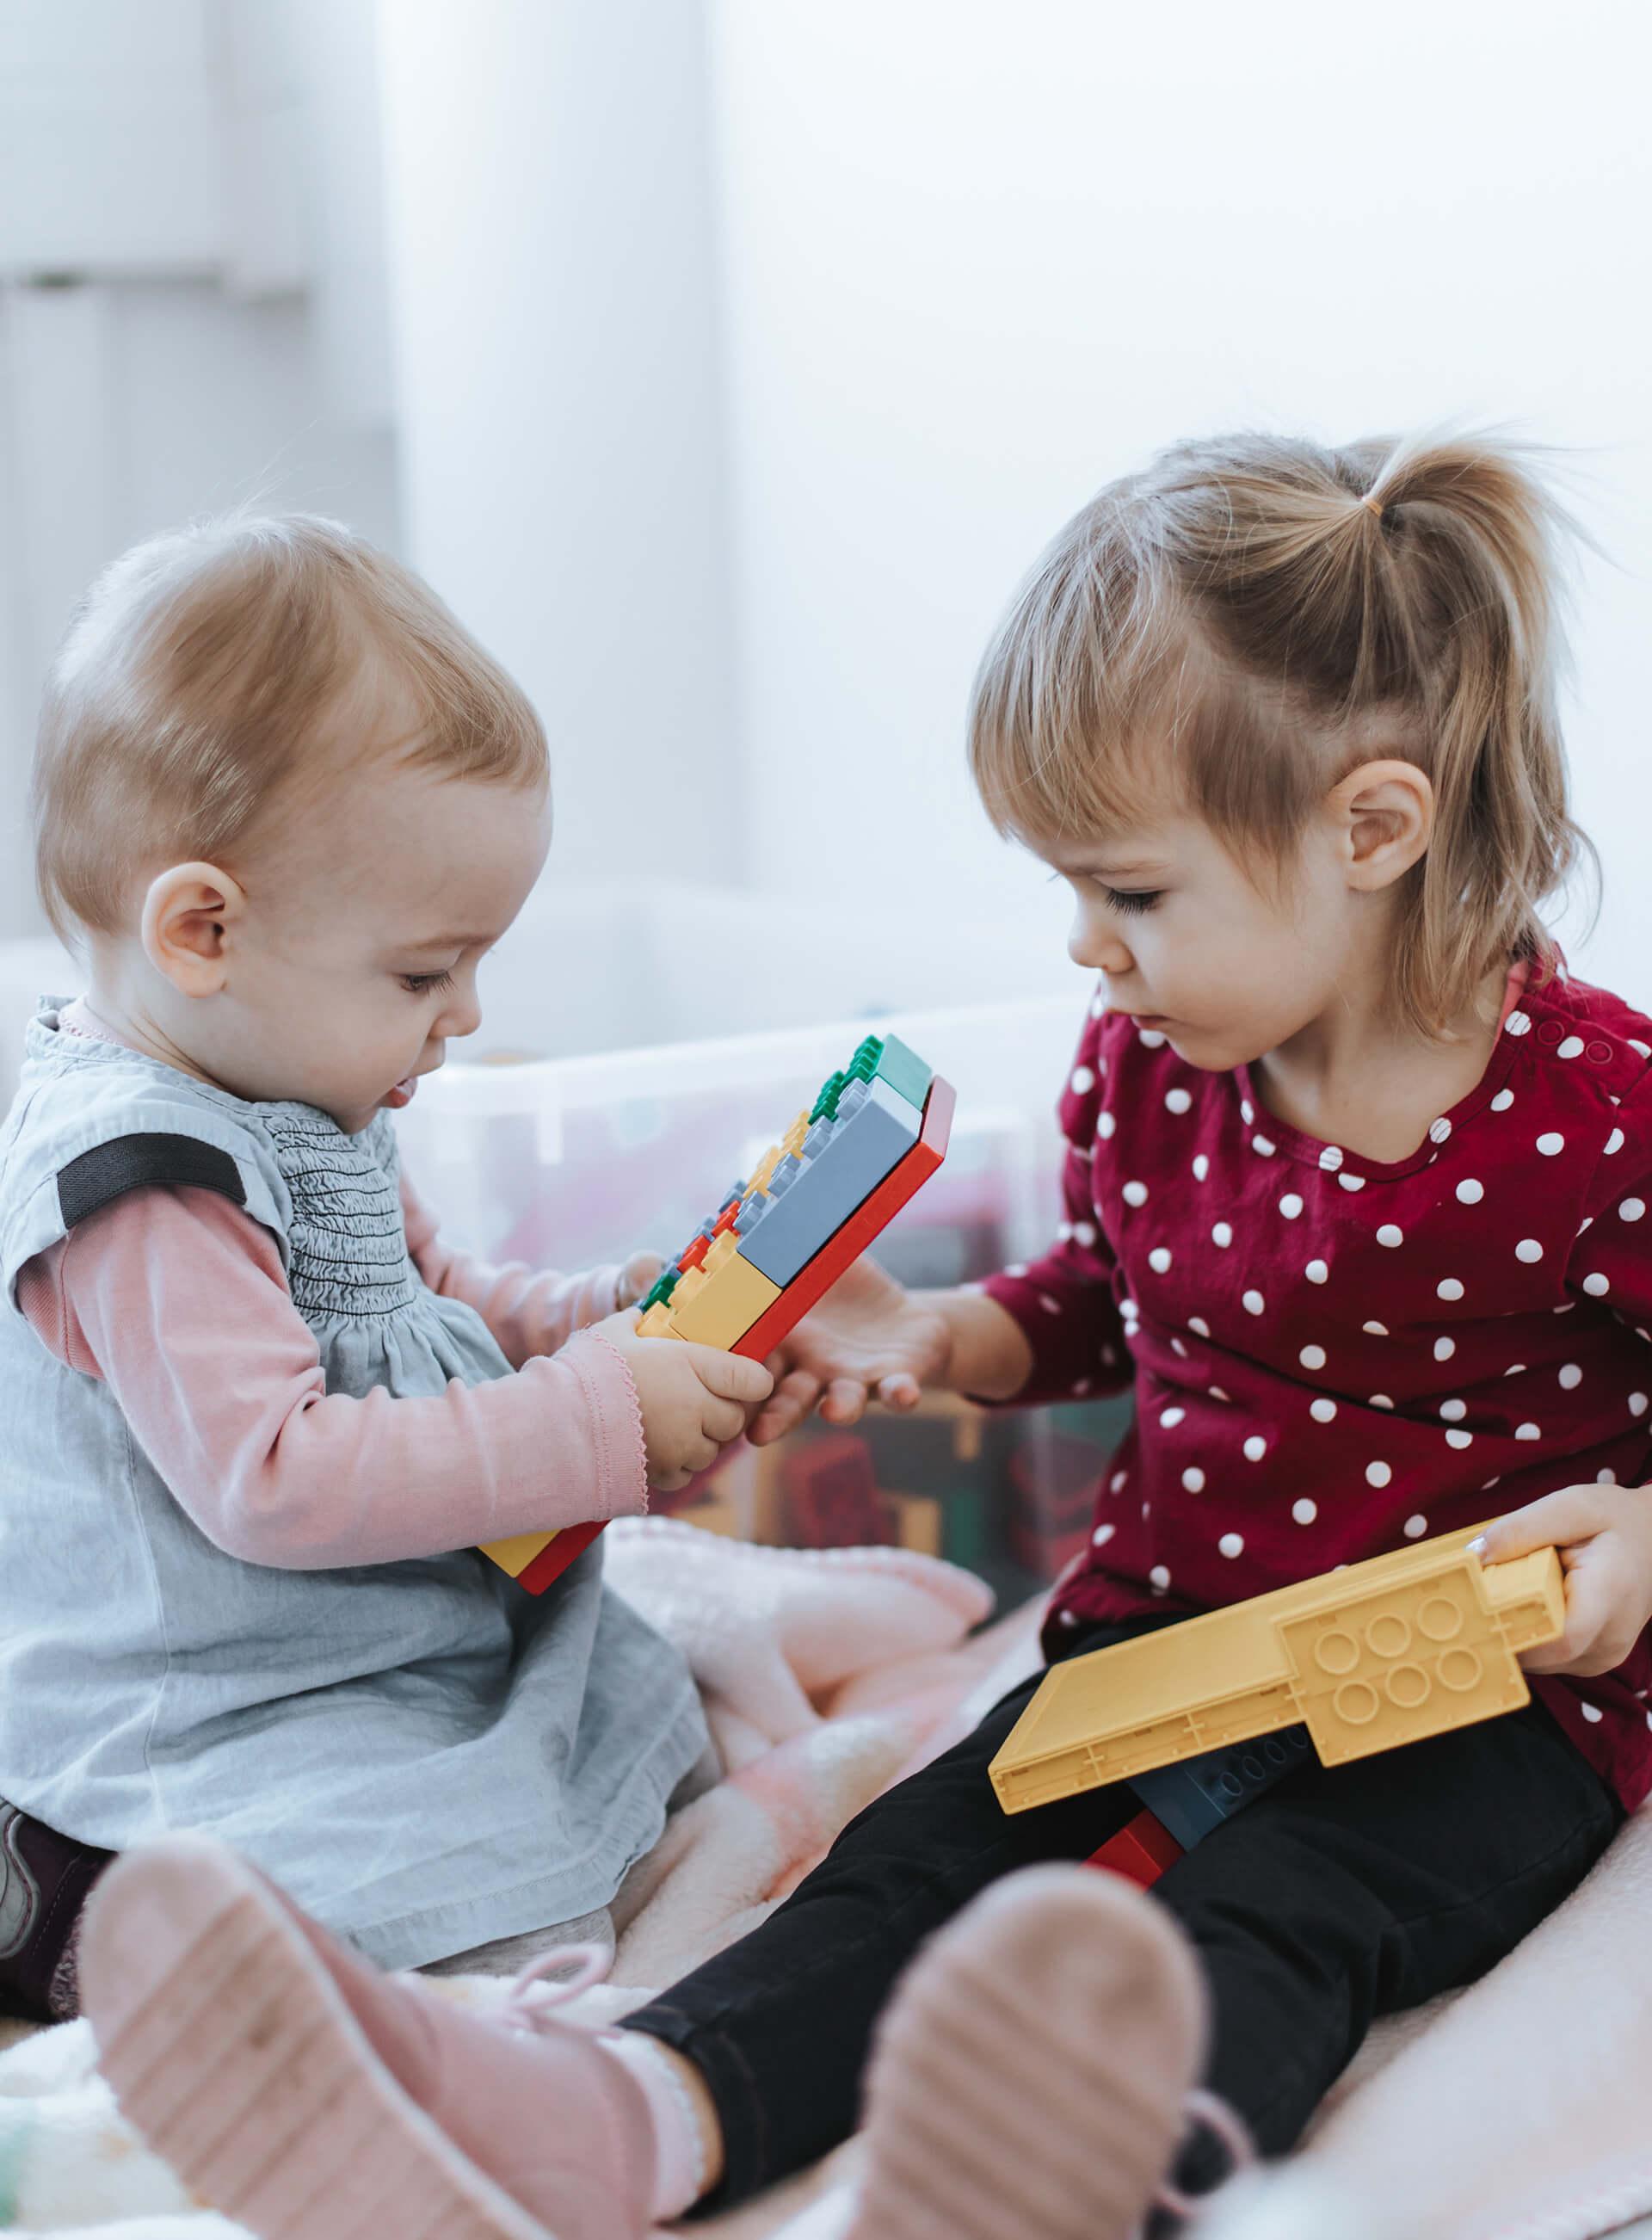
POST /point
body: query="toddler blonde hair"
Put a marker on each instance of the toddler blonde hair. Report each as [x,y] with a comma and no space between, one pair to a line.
[207,670]
[1238,626]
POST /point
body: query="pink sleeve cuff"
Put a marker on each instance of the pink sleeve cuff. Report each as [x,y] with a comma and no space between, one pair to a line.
[617,1412]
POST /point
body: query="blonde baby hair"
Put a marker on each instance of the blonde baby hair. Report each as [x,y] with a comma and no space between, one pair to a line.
[207,669]
[1236,627]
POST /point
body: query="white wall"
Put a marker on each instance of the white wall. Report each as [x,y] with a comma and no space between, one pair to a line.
[982,258]
[555,327]
[191,300]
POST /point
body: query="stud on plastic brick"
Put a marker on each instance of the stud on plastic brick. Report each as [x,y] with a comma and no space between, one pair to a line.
[904,1070]
[847,1169]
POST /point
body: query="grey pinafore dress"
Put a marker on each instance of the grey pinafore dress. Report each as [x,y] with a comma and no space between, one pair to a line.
[425,1756]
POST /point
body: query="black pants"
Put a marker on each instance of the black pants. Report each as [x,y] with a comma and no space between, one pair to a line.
[1339,1895]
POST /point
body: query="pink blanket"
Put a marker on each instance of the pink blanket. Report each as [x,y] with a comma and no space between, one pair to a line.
[1521,2110]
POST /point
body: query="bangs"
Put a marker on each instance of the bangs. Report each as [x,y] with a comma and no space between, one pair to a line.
[1102,705]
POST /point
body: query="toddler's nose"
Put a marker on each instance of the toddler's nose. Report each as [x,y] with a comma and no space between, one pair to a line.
[1093,944]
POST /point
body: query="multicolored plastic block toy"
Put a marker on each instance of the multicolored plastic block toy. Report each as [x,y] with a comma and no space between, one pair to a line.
[777,1244]
[1405,1646]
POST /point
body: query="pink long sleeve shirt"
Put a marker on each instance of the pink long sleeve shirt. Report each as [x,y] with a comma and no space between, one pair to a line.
[176,1299]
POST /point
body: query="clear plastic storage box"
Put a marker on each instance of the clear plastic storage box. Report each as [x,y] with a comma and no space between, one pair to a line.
[571,1161]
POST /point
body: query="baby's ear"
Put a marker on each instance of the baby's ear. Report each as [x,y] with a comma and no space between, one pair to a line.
[189,913]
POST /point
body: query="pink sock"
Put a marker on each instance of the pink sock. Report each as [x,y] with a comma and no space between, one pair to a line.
[679,2170]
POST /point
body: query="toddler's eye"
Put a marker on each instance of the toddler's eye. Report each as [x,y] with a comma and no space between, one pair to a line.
[1132,900]
[424,984]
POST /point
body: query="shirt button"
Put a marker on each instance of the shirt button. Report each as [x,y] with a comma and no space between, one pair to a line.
[1601,1053]
[1551,1032]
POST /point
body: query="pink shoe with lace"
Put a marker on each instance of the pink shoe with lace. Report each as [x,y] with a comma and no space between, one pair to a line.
[1035,2070]
[301,2091]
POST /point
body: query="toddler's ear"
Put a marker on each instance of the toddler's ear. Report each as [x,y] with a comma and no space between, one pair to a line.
[1387,810]
[188,914]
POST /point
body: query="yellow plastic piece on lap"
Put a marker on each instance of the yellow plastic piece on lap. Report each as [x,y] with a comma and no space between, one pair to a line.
[1405,1646]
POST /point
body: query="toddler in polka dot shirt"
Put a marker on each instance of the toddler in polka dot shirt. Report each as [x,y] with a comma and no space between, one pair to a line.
[1356,1186]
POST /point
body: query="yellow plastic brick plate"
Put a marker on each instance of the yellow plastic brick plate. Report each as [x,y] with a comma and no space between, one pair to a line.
[1403,1645]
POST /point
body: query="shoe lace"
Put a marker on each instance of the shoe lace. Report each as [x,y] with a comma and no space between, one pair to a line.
[531,2001]
[1204,2107]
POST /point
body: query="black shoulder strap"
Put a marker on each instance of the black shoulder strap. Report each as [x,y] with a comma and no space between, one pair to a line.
[129,1163]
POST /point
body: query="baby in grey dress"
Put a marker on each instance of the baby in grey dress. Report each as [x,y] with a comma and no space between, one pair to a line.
[256,1418]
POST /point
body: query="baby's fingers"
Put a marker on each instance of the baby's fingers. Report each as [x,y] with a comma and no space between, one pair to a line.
[730,1376]
[722,1420]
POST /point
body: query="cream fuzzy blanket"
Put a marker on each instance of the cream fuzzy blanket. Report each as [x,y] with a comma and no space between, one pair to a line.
[1520,2110]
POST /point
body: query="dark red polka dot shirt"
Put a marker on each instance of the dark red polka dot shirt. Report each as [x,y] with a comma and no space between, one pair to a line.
[1332,1356]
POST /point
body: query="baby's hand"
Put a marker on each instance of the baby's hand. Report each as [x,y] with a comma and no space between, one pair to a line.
[694,1399]
[1603,1536]
[867,1339]
[638,1275]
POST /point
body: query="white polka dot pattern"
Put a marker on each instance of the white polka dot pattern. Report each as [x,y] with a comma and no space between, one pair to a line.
[1351,1356]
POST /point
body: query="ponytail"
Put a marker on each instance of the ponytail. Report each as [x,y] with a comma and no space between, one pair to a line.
[1265,611]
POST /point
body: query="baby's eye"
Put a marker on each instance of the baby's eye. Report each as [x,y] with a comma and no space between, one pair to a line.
[423,983]
[1132,900]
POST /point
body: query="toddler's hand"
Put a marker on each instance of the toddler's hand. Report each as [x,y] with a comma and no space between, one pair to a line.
[1603,1536]
[867,1339]
[694,1399]
[638,1275]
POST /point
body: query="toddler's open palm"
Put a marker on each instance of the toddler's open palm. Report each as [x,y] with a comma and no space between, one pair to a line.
[868,1338]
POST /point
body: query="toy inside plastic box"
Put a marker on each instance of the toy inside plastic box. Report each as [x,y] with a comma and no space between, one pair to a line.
[569,1163]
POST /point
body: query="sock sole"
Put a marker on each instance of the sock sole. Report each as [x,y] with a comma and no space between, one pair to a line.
[1027,2081]
[232,2052]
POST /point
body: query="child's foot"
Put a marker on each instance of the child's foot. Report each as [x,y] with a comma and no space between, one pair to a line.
[1029,2079]
[301,2091]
